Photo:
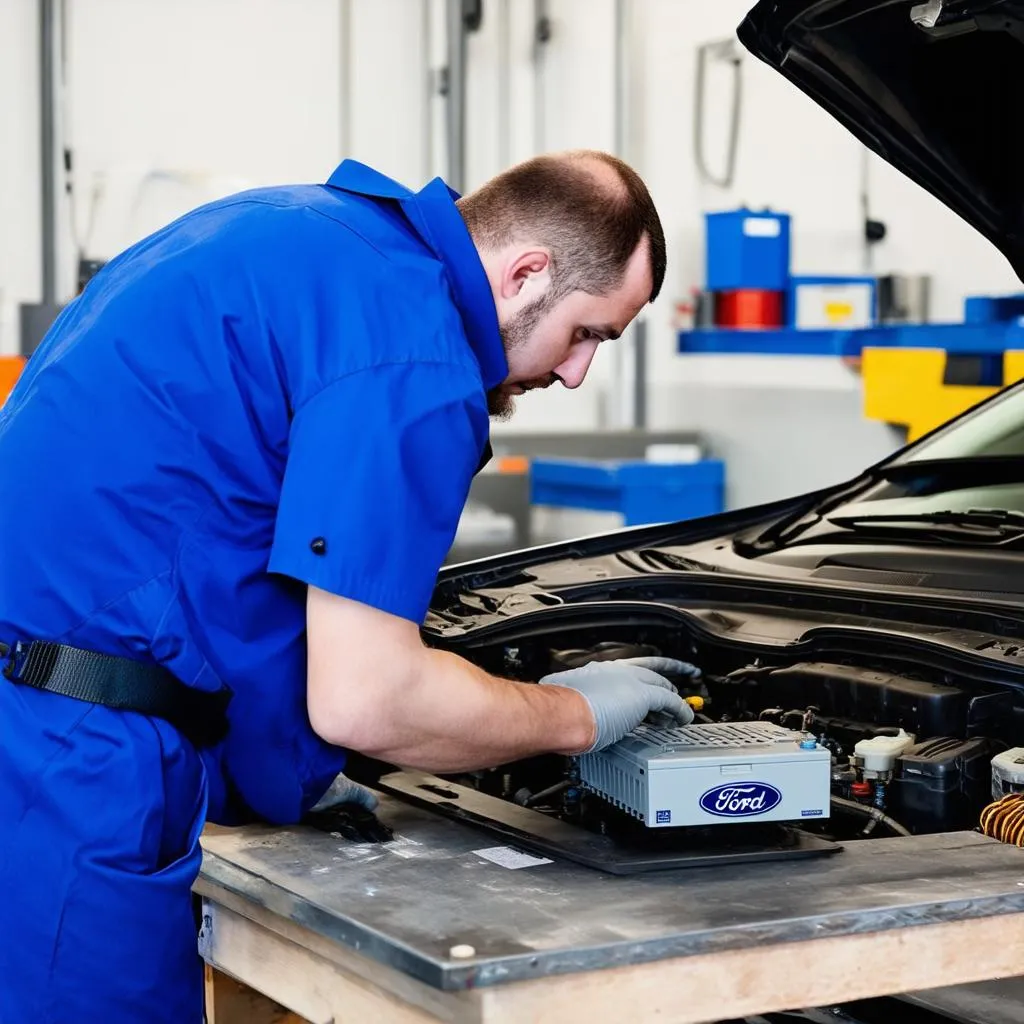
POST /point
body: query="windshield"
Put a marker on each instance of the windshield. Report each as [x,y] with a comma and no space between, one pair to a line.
[996,429]
[985,443]
[966,470]
[988,440]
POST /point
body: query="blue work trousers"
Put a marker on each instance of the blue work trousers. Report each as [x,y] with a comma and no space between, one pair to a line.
[100,817]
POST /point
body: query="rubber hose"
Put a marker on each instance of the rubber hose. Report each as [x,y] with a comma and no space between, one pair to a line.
[877,816]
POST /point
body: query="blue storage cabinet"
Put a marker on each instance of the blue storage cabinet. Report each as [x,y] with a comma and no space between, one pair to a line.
[644,492]
[747,250]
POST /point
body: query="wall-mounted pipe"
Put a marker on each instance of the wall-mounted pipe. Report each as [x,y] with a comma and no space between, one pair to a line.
[631,409]
[541,38]
[727,51]
[429,88]
[455,93]
[623,43]
[48,15]
[504,121]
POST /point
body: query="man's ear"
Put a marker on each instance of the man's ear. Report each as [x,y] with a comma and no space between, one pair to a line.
[530,269]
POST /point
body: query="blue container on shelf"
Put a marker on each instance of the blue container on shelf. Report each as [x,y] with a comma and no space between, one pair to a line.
[747,250]
[993,309]
[644,492]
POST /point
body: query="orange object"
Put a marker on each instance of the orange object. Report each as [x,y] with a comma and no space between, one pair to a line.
[749,308]
[514,464]
[10,371]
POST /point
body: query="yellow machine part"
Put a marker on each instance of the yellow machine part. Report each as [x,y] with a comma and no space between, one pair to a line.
[904,386]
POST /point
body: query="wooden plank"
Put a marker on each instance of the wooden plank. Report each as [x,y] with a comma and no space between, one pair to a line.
[316,978]
[230,1002]
[406,903]
[684,990]
[738,983]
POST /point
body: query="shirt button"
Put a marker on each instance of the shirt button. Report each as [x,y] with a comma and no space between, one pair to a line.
[318,546]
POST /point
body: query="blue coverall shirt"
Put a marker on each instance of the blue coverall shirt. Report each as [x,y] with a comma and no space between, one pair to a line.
[285,387]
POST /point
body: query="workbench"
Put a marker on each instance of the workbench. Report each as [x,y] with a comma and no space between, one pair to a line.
[425,928]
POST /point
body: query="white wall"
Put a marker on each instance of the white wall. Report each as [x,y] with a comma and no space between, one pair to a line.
[20,253]
[231,92]
[227,93]
[170,104]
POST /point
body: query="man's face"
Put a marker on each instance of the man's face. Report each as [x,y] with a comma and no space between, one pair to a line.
[547,342]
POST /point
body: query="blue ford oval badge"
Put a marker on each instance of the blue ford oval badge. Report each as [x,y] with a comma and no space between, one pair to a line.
[740,799]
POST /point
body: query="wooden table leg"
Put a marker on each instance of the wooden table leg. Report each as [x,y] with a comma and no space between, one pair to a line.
[230,1002]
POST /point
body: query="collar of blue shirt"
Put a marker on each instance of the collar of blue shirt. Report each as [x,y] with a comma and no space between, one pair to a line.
[434,216]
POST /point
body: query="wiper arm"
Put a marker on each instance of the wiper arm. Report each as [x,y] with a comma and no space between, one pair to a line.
[999,521]
[995,469]
[987,469]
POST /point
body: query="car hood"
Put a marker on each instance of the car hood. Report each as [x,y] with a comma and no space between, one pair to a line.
[932,87]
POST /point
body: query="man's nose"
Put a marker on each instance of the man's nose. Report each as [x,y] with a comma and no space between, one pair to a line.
[574,370]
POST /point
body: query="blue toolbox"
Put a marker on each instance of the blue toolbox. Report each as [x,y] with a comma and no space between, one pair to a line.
[747,250]
[644,492]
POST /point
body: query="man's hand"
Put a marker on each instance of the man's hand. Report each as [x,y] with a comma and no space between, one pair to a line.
[622,693]
[344,791]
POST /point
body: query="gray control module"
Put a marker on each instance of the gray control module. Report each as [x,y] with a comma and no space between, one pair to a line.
[712,774]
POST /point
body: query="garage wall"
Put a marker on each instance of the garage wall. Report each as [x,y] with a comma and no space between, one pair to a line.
[168,105]
[20,272]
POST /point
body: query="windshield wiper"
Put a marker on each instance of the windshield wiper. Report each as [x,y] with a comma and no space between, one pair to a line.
[983,469]
[995,469]
[979,522]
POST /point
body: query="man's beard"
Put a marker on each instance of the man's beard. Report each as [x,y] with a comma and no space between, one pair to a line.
[500,404]
[515,334]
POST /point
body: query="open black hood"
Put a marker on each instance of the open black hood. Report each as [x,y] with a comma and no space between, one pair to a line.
[936,88]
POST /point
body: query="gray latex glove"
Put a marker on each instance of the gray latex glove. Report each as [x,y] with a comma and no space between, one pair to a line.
[622,693]
[344,791]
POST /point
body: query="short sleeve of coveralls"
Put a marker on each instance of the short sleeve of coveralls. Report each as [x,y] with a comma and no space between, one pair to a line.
[379,466]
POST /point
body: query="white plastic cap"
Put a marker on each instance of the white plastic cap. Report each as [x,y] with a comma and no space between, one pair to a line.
[880,752]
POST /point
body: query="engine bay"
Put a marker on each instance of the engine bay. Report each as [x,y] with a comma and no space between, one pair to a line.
[779,749]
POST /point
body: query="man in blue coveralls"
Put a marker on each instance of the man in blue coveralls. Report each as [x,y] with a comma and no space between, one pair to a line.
[232,470]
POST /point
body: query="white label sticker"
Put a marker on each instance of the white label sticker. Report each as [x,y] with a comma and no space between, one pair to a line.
[762,227]
[506,857]
[206,931]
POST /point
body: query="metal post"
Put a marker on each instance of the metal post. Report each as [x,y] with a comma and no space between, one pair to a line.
[345,96]
[504,85]
[639,333]
[636,337]
[865,206]
[621,106]
[541,37]
[455,97]
[426,52]
[48,147]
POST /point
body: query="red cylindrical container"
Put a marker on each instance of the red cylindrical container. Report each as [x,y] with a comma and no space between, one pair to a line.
[749,308]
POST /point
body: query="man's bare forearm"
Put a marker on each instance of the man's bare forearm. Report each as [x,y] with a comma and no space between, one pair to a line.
[375,688]
[456,717]
[452,716]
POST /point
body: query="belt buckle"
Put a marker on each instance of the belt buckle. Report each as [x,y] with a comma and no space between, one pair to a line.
[14,656]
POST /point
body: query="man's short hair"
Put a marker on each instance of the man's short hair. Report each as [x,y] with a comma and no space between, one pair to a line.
[591,220]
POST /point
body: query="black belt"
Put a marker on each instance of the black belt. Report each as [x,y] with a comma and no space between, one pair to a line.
[119,683]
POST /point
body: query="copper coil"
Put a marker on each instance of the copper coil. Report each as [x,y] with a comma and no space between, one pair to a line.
[1008,823]
[1004,819]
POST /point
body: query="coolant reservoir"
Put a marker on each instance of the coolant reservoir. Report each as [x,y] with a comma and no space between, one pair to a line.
[1007,772]
[879,753]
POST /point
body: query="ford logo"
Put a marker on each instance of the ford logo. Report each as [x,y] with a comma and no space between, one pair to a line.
[740,800]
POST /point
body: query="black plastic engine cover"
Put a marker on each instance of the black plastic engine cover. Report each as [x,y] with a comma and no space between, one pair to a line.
[882,698]
[943,784]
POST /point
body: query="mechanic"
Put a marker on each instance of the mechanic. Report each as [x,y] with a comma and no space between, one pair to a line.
[232,471]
